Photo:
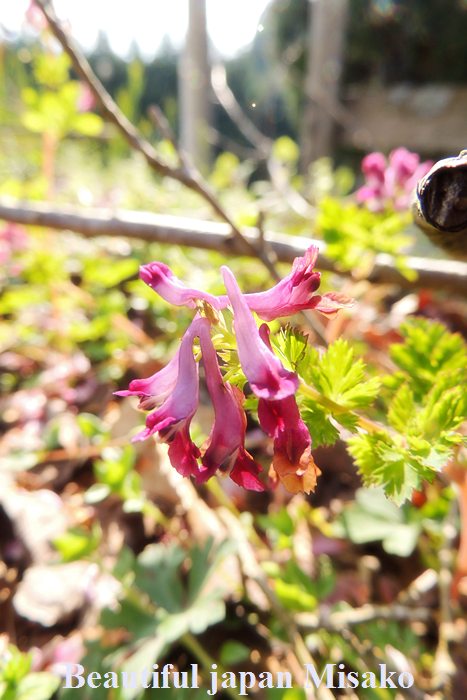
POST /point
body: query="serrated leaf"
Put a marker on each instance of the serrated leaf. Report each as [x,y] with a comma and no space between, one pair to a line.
[402,409]
[338,376]
[384,463]
[291,345]
[322,431]
[428,350]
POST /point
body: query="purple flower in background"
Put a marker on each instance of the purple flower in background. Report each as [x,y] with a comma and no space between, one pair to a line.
[390,183]
[266,375]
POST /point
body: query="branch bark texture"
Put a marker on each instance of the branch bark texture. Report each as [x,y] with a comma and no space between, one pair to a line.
[432,274]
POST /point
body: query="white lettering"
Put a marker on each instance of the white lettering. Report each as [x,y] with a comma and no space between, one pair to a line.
[246,681]
[110,680]
[369,680]
[78,675]
[312,676]
[384,678]
[94,680]
[406,680]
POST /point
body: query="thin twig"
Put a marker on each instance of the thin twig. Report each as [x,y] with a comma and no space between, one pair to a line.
[262,144]
[444,275]
[337,621]
[188,176]
[160,121]
[444,666]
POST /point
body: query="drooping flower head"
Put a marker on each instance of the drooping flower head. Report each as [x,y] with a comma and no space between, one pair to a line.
[292,461]
[265,373]
[225,448]
[172,393]
[176,399]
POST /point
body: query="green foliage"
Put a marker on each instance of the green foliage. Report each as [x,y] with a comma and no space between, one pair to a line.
[373,518]
[335,386]
[168,592]
[290,344]
[424,413]
[399,466]
[294,587]
[78,543]
[17,682]
[429,352]
[354,235]
[56,112]
[233,653]
[286,150]
[339,376]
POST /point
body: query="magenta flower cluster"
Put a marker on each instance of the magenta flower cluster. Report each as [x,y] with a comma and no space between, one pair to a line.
[390,183]
[172,394]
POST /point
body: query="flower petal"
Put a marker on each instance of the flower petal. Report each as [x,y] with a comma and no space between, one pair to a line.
[292,460]
[161,278]
[292,294]
[245,472]
[265,373]
[155,389]
[225,445]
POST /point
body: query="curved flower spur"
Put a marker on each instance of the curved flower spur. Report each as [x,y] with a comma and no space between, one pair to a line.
[172,394]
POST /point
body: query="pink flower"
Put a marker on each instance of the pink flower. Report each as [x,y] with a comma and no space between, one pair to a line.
[265,373]
[154,390]
[176,406]
[86,99]
[390,183]
[35,17]
[225,445]
[173,392]
[13,238]
[294,293]
[292,460]
[161,278]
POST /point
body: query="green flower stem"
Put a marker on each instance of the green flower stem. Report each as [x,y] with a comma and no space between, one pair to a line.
[335,408]
[214,487]
[190,642]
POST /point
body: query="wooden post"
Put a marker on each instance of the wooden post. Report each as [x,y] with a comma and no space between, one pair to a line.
[326,40]
[194,87]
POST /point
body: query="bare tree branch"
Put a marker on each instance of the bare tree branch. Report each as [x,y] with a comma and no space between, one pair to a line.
[262,143]
[188,176]
[337,621]
[432,274]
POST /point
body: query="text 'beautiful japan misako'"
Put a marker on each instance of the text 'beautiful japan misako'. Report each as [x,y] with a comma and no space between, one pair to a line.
[172,394]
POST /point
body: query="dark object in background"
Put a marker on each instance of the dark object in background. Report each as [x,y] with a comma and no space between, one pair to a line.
[441,206]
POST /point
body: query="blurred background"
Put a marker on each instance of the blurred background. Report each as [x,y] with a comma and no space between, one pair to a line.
[301,121]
